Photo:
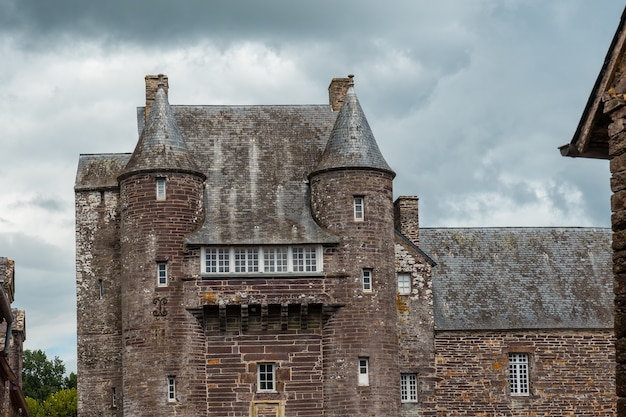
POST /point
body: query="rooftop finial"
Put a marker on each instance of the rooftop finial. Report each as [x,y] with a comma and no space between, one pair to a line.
[351,76]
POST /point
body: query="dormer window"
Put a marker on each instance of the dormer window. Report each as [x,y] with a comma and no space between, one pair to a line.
[260,260]
[160,188]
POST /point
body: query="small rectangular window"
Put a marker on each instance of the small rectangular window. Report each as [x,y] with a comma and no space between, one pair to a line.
[367,280]
[160,188]
[266,377]
[171,388]
[404,283]
[304,259]
[246,260]
[100,289]
[364,378]
[359,208]
[113,398]
[161,274]
[518,374]
[275,259]
[408,388]
[217,260]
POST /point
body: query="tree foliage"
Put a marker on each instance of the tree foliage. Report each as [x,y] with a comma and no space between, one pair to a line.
[49,393]
[40,376]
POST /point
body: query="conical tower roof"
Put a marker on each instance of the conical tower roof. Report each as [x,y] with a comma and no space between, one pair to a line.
[161,146]
[351,144]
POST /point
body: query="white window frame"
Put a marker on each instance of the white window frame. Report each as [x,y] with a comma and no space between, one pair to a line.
[364,371]
[113,398]
[519,374]
[404,283]
[367,280]
[162,274]
[265,259]
[160,189]
[359,208]
[408,388]
[171,389]
[266,376]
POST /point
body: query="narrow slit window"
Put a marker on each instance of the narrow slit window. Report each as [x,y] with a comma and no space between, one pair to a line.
[171,388]
[367,280]
[100,289]
[160,188]
[359,208]
[519,383]
[113,398]
[162,274]
[364,378]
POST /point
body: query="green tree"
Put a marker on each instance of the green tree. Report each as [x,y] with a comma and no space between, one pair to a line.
[41,377]
[62,403]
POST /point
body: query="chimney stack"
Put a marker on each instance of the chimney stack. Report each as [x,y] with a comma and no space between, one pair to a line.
[337,91]
[152,86]
[406,217]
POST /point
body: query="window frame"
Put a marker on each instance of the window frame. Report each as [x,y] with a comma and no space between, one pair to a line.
[262,374]
[253,260]
[408,387]
[519,374]
[363,371]
[359,208]
[405,286]
[161,189]
[162,274]
[171,389]
[367,280]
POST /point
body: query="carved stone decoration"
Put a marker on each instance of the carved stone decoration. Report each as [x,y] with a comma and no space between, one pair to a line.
[160,303]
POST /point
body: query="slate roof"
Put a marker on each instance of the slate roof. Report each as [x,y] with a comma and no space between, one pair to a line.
[352,143]
[161,146]
[256,160]
[520,278]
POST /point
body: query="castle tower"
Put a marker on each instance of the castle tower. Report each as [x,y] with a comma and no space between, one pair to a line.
[161,193]
[351,196]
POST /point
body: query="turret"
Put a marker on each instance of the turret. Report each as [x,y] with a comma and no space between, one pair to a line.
[161,190]
[351,196]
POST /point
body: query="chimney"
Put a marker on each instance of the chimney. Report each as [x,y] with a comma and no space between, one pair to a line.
[152,85]
[337,91]
[406,217]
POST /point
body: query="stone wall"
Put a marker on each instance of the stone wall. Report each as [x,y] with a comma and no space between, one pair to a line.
[570,373]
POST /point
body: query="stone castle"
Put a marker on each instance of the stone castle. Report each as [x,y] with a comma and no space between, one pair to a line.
[251,261]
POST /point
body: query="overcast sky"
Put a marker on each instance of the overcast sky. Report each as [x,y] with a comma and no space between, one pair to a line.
[468,101]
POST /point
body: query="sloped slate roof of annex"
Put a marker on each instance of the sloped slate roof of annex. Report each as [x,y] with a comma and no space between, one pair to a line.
[256,160]
[521,278]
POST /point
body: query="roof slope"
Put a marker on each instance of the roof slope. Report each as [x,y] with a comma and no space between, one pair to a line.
[256,160]
[591,137]
[161,146]
[352,144]
[521,278]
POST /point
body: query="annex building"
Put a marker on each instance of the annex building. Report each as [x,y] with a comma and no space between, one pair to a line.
[252,261]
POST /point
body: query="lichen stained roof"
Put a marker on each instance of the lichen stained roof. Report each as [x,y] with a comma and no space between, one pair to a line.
[352,144]
[520,278]
[99,171]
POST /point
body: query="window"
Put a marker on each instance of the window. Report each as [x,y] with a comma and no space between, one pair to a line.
[304,259]
[364,378]
[160,188]
[171,388]
[358,208]
[161,274]
[404,283]
[367,280]
[100,289]
[113,398]
[246,260]
[266,377]
[408,388]
[518,374]
[275,259]
[279,259]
